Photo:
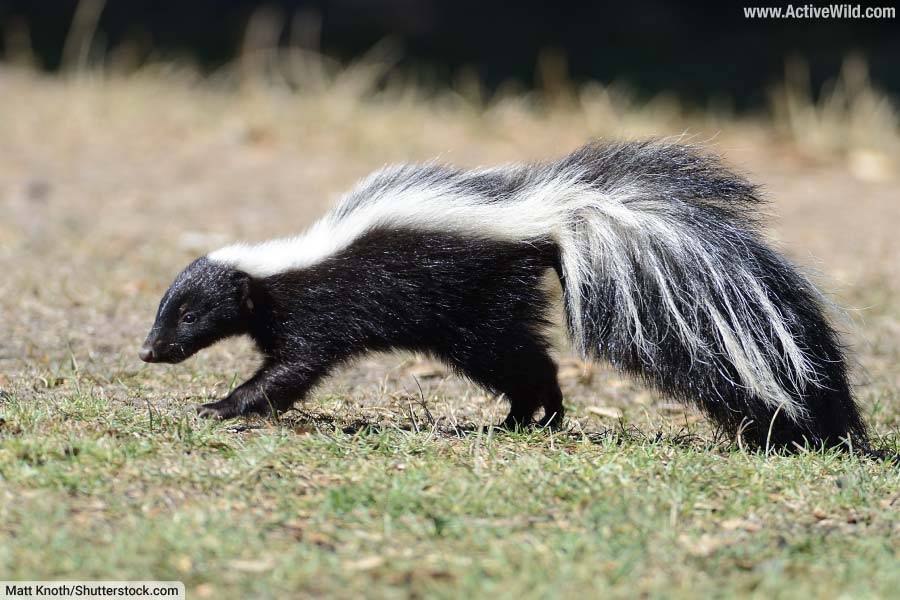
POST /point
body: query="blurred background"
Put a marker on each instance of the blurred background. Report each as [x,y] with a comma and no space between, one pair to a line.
[703,52]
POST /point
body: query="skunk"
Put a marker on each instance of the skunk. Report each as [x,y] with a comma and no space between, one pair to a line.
[656,245]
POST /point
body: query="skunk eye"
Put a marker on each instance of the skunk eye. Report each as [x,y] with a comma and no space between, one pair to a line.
[187,318]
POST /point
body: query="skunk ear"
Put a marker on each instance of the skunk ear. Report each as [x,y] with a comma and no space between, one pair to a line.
[243,283]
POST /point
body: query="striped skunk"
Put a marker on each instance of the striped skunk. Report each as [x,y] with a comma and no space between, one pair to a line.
[656,246]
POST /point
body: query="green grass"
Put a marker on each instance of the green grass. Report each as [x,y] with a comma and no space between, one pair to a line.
[91,488]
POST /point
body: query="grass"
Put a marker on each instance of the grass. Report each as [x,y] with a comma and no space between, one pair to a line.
[111,183]
[112,491]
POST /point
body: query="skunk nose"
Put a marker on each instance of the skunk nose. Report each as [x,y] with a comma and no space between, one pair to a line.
[146,353]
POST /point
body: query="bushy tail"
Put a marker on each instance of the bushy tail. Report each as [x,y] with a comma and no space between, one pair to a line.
[664,273]
[666,276]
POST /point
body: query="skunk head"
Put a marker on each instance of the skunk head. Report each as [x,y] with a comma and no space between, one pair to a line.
[206,302]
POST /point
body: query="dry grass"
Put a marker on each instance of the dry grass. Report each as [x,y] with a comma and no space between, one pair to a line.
[109,184]
[850,118]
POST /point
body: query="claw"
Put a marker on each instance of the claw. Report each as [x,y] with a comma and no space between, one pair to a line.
[207,413]
[211,411]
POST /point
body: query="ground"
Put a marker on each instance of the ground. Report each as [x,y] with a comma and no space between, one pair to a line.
[390,481]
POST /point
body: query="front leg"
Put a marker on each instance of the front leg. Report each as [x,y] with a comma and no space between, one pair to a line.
[273,389]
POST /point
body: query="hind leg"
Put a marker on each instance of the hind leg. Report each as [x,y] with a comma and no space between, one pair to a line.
[530,380]
[523,372]
[554,411]
[530,384]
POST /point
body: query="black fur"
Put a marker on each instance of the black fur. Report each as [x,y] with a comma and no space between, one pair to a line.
[474,303]
[206,303]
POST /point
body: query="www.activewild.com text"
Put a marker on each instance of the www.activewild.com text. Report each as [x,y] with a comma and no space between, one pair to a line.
[812,11]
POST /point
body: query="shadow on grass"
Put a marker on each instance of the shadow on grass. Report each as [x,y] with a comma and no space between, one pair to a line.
[620,435]
[719,442]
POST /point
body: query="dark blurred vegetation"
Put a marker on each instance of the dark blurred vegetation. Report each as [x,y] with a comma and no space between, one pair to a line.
[701,51]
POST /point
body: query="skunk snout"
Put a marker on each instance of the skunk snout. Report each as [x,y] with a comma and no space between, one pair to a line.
[147,353]
[152,350]
[160,347]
